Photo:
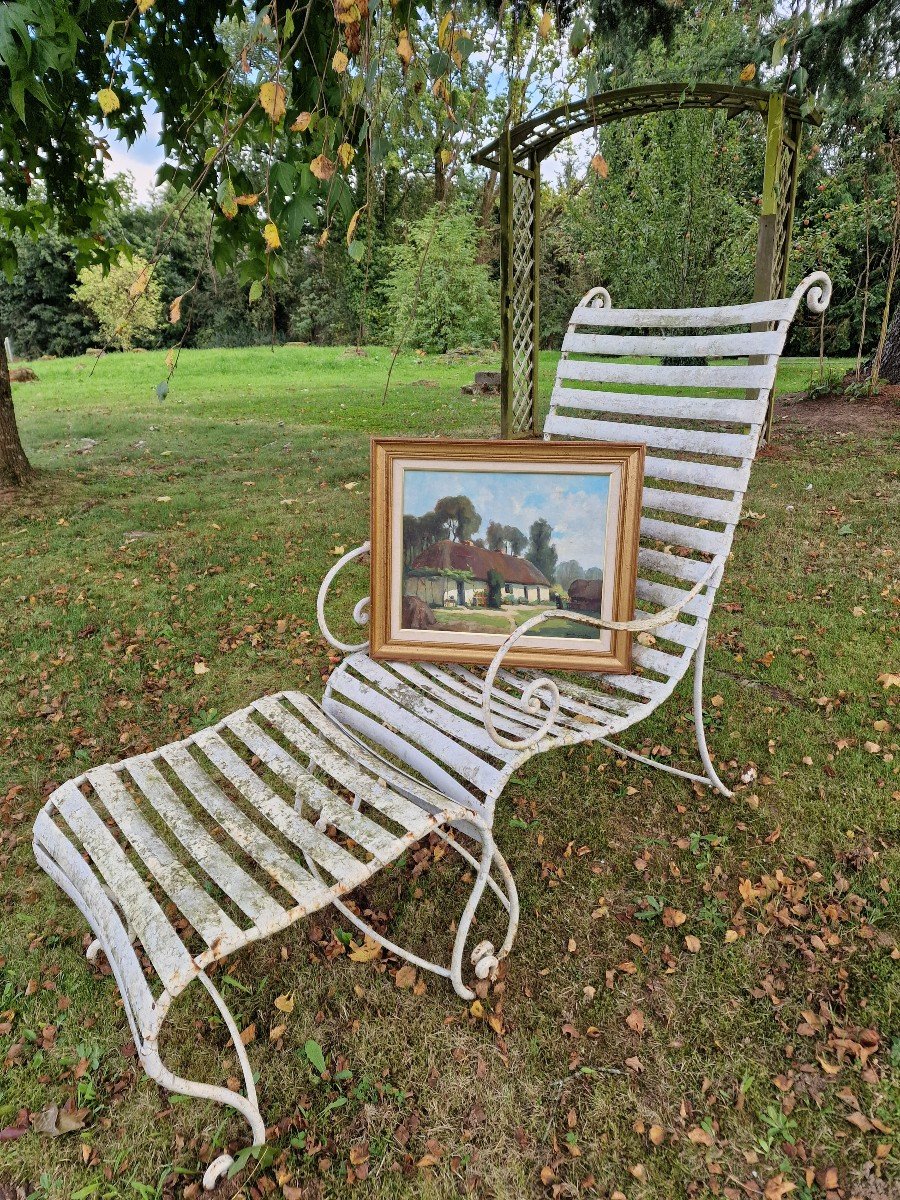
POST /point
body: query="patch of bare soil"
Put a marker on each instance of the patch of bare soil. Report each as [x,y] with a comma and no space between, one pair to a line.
[834,413]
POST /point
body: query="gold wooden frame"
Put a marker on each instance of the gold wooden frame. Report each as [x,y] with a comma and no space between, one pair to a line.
[625,458]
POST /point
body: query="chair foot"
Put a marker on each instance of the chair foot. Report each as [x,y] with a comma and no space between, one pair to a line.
[217,1170]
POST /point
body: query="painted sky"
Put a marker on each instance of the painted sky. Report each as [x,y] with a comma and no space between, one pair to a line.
[575,505]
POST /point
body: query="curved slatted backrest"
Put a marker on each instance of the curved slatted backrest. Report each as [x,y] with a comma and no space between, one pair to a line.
[693,385]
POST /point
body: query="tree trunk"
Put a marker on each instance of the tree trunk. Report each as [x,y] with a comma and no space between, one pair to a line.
[889,368]
[15,469]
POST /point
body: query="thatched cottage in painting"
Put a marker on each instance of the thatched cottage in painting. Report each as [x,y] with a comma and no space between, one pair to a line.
[452,573]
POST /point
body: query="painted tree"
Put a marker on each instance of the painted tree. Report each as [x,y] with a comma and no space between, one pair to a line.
[541,551]
[459,516]
[515,539]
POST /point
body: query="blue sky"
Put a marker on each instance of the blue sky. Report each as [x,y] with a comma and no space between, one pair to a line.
[575,505]
[142,160]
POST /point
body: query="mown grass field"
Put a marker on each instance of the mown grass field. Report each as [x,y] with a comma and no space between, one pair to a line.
[762,1058]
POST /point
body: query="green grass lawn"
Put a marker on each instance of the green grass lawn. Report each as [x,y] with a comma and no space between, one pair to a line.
[704,998]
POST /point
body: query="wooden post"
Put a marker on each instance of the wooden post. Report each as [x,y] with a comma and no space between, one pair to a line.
[536,289]
[768,218]
[506,282]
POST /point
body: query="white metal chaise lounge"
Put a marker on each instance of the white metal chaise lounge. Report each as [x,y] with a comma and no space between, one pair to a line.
[285,807]
[468,731]
[226,837]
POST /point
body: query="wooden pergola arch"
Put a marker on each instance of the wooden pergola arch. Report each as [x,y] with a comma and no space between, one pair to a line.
[517,155]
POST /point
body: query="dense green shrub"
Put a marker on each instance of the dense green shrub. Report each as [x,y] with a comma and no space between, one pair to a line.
[438,297]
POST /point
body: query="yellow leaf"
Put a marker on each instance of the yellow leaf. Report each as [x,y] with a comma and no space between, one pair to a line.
[175,310]
[143,5]
[477,1010]
[323,241]
[444,41]
[369,950]
[546,24]
[351,228]
[170,366]
[247,199]
[140,284]
[285,1004]
[405,49]
[271,98]
[108,100]
[340,62]
[600,166]
[323,168]
[748,73]
[692,943]
[656,1134]
[345,154]
[301,124]
[446,157]
[731,935]
[270,236]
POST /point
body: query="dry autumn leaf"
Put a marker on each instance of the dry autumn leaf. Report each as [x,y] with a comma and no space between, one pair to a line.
[340,62]
[270,236]
[143,5]
[692,943]
[405,49]
[656,1134]
[285,1003]
[600,166]
[367,952]
[748,73]
[247,199]
[301,123]
[175,310]
[323,168]
[546,24]
[200,668]
[406,976]
[271,99]
[346,154]
[635,1021]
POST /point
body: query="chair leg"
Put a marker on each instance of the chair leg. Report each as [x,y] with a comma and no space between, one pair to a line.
[247,1105]
[484,958]
[708,767]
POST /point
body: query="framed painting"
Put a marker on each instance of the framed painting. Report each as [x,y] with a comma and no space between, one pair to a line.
[472,538]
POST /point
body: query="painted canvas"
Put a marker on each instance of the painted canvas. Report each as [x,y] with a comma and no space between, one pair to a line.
[471,540]
[485,550]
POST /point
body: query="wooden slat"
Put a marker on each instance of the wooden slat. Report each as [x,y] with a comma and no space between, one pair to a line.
[646,375]
[712,345]
[334,808]
[689,441]
[234,881]
[328,854]
[708,541]
[686,318]
[463,761]
[286,872]
[687,504]
[170,957]
[208,918]
[342,767]
[734,410]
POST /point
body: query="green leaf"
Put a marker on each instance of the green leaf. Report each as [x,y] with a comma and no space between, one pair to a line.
[256,290]
[356,249]
[232,982]
[439,64]
[313,1052]
[778,51]
[288,27]
[17,96]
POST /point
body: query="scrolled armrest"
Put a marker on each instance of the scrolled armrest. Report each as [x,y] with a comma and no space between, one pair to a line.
[530,699]
[360,613]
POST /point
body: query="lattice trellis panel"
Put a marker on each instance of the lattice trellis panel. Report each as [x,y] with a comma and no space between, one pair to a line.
[783,189]
[522,315]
